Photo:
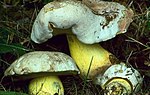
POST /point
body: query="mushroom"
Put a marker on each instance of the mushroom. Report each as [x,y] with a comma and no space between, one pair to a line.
[120,79]
[91,24]
[85,24]
[44,67]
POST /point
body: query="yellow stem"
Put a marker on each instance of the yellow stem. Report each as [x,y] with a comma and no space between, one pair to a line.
[83,54]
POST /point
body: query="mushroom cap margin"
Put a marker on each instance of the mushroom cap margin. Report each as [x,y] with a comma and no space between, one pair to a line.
[43,62]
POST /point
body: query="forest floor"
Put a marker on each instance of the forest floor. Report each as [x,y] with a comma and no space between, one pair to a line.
[17,17]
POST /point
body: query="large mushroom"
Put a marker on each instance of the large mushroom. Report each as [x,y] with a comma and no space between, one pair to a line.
[44,67]
[112,19]
[91,23]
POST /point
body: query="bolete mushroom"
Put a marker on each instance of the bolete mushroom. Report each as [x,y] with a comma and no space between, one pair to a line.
[111,19]
[120,79]
[91,24]
[44,67]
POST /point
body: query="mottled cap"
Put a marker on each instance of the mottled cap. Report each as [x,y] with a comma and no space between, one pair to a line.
[92,22]
[55,63]
[121,71]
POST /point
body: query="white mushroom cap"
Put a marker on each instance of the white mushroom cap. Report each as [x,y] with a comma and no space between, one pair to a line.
[121,71]
[86,25]
[56,63]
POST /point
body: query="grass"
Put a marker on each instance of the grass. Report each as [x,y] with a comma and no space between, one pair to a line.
[16,19]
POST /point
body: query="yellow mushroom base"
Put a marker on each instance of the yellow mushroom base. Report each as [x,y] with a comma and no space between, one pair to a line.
[117,86]
[48,85]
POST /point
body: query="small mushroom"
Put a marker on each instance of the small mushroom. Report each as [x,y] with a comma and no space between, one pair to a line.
[120,79]
[44,67]
[90,25]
